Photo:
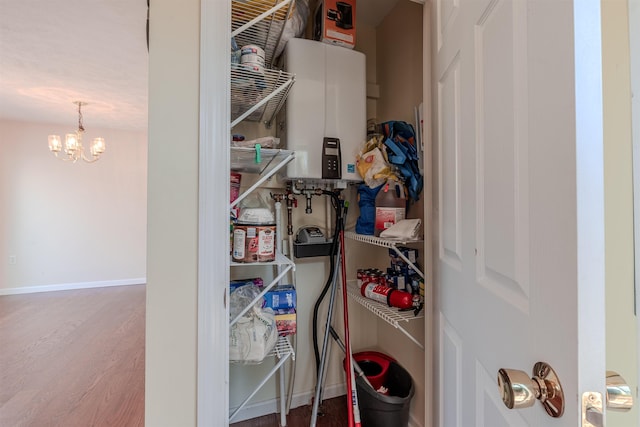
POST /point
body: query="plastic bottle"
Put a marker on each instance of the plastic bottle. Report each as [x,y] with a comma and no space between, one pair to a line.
[387,295]
[391,205]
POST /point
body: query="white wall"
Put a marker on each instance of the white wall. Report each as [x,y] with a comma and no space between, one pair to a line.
[172,265]
[400,74]
[71,225]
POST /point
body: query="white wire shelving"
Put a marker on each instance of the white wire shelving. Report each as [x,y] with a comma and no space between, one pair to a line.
[393,316]
[387,243]
[258,93]
[260,23]
[283,351]
[281,261]
[262,161]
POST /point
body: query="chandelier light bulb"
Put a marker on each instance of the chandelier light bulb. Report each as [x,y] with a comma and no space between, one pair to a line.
[55,143]
[71,143]
[98,146]
[73,149]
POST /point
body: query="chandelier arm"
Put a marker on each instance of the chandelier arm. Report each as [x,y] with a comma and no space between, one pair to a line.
[86,159]
[65,158]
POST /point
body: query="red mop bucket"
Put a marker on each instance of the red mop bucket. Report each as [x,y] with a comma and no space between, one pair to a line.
[375,366]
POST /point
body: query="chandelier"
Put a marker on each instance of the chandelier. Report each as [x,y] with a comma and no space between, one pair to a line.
[73,149]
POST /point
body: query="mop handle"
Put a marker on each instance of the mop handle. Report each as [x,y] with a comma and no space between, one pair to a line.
[353,409]
[356,367]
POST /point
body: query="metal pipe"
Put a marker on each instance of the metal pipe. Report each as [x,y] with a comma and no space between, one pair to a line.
[319,384]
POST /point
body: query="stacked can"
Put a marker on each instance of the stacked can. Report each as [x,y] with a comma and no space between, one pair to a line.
[252,57]
[370,275]
[403,273]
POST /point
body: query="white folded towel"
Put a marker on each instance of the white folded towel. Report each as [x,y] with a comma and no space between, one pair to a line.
[404,229]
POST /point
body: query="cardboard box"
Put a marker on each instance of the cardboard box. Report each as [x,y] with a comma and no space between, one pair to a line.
[286,322]
[281,297]
[335,22]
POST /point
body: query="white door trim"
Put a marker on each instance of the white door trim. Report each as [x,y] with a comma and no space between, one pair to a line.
[590,192]
[213,214]
[634,44]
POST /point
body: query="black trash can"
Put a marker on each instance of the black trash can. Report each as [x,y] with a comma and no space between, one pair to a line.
[392,410]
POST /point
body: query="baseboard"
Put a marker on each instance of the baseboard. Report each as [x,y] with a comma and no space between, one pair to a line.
[258,409]
[414,422]
[72,286]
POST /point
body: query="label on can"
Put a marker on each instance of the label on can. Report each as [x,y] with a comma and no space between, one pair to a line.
[266,244]
[254,242]
[253,68]
[252,245]
[252,49]
[253,55]
[238,243]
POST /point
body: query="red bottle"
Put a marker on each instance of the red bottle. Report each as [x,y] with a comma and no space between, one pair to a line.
[386,295]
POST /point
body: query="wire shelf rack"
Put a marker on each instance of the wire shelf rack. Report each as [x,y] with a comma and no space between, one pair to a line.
[387,243]
[378,241]
[257,94]
[261,23]
[392,316]
[263,161]
[283,349]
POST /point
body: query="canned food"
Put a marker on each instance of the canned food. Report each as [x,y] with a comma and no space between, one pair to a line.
[254,242]
[253,56]
[359,275]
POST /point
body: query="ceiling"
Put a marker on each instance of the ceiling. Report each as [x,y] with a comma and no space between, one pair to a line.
[55,52]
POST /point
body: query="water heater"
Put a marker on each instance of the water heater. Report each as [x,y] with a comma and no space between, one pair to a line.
[325,114]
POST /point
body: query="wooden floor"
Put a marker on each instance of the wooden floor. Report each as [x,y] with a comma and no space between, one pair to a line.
[76,359]
[333,414]
[73,358]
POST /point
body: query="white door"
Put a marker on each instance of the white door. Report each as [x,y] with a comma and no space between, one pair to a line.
[518,204]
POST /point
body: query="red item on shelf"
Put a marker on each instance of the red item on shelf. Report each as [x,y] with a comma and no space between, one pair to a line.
[387,295]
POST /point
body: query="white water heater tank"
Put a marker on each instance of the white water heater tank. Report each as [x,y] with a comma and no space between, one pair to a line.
[327,102]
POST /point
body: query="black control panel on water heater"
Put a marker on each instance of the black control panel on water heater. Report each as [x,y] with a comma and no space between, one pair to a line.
[331,162]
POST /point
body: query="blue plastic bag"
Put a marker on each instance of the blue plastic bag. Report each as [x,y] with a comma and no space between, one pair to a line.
[367,204]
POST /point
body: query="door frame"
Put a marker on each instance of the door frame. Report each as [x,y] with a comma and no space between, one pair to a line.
[212,404]
[634,59]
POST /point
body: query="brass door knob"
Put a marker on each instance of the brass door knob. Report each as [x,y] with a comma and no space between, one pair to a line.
[518,390]
[619,397]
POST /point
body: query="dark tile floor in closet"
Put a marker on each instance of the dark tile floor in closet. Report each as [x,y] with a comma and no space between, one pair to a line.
[334,414]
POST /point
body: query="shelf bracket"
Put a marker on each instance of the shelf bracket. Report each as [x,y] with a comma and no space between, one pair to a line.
[262,383]
[258,183]
[262,294]
[260,17]
[262,102]
[405,259]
